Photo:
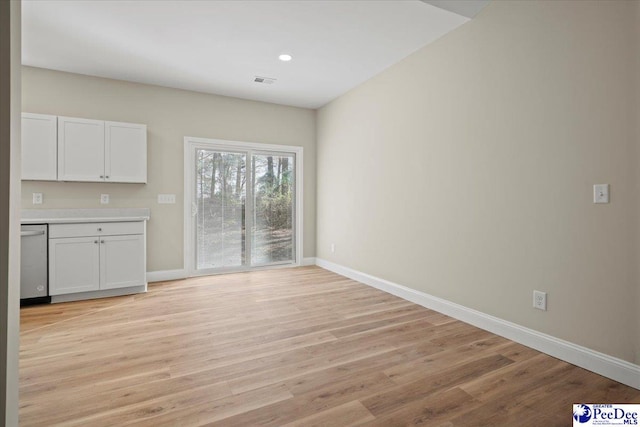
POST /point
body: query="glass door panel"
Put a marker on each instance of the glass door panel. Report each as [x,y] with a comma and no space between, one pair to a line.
[243,211]
[272,234]
[220,203]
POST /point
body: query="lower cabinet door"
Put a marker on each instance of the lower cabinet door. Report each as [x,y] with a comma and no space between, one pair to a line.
[74,265]
[122,259]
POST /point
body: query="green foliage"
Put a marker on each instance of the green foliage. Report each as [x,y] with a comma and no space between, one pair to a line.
[275,210]
[221,181]
[273,198]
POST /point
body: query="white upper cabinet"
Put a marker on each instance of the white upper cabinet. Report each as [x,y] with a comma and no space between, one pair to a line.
[39,147]
[95,150]
[125,152]
[80,149]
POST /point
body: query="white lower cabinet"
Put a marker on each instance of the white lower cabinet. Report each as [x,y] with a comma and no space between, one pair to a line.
[121,261]
[93,257]
[74,265]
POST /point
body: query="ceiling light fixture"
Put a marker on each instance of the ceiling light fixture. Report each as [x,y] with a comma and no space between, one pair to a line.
[285,57]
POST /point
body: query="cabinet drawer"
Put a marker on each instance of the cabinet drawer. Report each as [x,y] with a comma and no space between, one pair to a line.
[95,229]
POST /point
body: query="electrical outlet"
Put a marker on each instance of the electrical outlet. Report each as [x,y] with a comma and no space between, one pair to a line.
[333,248]
[104,199]
[37,198]
[540,300]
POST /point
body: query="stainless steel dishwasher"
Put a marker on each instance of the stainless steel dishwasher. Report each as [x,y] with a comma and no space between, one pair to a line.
[34,264]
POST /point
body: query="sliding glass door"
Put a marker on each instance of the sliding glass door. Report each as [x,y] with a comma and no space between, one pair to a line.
[273,213]
[220,209]
[242,208]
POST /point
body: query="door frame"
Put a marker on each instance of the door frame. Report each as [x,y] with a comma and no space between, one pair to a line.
[190,145]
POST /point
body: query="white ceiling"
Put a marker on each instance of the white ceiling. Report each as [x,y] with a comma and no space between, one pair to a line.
[219,46]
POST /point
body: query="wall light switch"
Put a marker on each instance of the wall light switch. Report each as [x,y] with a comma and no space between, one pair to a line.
[37,198]
[104,199]
[166,198]
[601,193]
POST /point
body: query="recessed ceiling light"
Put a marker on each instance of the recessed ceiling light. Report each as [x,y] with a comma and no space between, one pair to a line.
[285,57]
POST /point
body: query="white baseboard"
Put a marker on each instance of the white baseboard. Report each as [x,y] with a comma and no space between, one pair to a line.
[308,261]
[164,275]
[99,294]
[600,363]
[161,276]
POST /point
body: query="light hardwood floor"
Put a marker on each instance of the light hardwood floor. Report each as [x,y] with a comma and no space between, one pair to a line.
[289,347]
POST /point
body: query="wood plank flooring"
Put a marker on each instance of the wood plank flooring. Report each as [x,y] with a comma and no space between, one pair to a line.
[288,347]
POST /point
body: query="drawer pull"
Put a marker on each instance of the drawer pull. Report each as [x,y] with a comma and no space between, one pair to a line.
[31,233]
[95,241]
[101,241]
[99,228]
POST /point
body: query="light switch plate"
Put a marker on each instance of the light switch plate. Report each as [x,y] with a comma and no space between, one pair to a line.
[601,193]
[104,199]
[166,198]
[37,198]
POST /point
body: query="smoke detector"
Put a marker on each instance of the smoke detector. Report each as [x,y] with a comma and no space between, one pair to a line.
[264,80]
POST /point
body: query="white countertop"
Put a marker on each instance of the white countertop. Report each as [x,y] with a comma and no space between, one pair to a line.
[60,216]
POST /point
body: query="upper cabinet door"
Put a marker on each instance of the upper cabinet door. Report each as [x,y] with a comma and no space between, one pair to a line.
[39,147]
[80,149]
[125,152]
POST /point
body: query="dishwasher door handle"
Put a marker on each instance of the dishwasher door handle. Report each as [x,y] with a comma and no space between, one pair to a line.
[31,233]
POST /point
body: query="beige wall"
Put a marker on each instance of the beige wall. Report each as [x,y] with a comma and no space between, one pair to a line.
[170,115]
[10,36]
[466,170]
[636,54]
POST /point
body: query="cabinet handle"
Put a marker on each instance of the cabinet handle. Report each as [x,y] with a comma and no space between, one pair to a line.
[31,233]
[107,176]
[99,229]
[101,176]
[95,241]
[101,241]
